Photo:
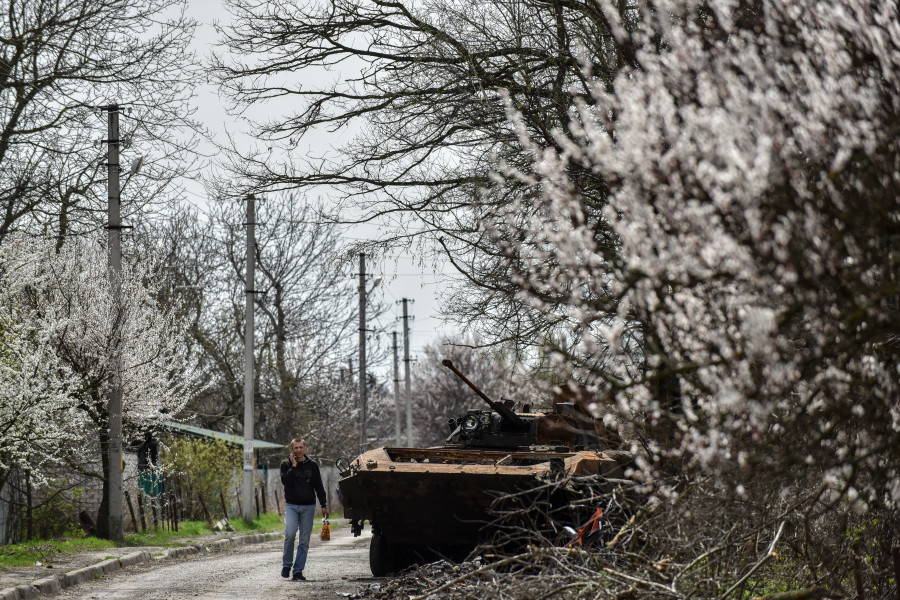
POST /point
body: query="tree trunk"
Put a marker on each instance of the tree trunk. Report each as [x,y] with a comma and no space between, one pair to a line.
[29,515]
[103,512]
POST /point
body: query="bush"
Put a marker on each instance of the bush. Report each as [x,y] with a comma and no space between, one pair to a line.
[57,515]
[202,466]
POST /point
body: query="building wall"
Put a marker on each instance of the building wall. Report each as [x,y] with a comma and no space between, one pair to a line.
[92,490]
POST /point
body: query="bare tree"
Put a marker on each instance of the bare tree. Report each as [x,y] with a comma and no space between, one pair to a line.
[60,62]
[307,306]
[421,86]
[305,303]
[332,402]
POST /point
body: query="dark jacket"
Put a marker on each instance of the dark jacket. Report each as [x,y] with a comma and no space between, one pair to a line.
[302,483]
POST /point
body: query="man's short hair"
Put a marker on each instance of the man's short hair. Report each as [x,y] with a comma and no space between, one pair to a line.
[297,441]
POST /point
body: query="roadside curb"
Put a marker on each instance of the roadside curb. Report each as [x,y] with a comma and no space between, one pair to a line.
[53,584]
[254,538]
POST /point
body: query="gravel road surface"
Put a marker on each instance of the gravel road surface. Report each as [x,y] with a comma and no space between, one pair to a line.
[334,569]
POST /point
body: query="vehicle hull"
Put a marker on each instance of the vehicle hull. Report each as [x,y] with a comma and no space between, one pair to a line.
[443,496]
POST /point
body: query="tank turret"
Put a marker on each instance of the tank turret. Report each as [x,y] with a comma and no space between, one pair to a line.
[565,427]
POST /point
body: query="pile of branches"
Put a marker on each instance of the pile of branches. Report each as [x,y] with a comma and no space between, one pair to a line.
[699,545]
[537,574]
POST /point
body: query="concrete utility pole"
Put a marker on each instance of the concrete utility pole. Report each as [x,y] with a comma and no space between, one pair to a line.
[362,353]
[247,487]
[398,427]
[114,228]
[410,437]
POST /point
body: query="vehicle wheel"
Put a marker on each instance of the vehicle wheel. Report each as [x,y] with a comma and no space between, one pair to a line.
[381,557]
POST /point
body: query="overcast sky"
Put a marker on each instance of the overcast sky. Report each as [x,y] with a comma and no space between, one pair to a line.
[402,276]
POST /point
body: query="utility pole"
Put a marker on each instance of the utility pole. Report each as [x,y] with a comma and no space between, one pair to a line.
[398,427]
[410,438]
[362,353]
[114,228]
[247,488]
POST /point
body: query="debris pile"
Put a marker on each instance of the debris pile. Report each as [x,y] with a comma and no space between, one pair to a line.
[420,580]
[536,574]
[544,573]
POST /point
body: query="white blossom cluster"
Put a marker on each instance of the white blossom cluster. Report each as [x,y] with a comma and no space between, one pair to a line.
[752,164]
[61,318]
[37,405]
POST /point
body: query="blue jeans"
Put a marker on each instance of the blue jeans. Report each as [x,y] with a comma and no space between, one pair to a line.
[297,516]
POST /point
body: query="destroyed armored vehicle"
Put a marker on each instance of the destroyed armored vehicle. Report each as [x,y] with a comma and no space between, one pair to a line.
[428,502]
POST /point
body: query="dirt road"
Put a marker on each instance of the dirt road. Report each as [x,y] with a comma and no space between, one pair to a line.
[246,573]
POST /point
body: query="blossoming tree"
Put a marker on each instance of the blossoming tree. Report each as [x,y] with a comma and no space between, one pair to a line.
[747,323]
[66,300]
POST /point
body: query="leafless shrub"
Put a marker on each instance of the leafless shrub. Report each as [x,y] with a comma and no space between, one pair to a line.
[706,543]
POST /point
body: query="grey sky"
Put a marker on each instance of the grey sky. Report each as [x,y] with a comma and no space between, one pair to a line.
[402,276]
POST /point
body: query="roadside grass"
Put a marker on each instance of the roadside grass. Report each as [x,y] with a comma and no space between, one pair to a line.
[44,551]
[32,551]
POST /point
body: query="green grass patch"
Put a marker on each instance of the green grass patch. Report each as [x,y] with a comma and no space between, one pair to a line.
[166,537]
[193,529]
[27,553]
[44,551]
[265,522]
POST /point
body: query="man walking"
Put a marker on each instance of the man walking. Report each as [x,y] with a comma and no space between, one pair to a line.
[302,485]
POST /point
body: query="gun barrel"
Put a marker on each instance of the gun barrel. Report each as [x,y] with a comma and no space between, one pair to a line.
[508,415]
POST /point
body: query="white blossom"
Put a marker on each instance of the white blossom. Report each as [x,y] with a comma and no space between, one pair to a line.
[753,196]
[61,319]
